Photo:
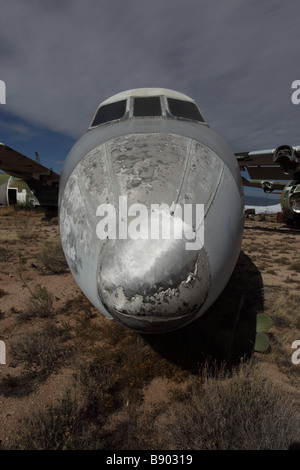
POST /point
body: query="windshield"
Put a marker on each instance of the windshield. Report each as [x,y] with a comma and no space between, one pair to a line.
[185,110]
[110,112]
[149,106]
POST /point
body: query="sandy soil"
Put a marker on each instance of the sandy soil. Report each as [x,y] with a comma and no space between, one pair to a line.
[272,249]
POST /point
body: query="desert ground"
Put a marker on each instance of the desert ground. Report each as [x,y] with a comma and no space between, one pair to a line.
[75,380]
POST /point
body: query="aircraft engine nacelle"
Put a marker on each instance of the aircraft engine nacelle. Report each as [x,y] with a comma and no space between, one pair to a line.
[267,186]
[290,201]
[295,201]
[286,157]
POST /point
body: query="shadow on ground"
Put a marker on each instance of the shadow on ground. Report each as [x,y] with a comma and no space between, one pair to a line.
[226,332]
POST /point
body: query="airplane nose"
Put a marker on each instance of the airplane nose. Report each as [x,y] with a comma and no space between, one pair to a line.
[152,285]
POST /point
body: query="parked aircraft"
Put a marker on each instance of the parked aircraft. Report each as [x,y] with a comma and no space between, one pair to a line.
[267,168]
[147,156]
[42,181]
[16,191]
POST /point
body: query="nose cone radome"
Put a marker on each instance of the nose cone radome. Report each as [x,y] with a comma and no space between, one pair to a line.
[152,285]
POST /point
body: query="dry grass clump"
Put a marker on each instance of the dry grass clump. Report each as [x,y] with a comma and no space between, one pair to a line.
[285,311]
[42,351]
[36,354]
[202,387]
[217,409]
[61,426]
[53,258]
[285,316]
[9,237]
[21,211]
[39,304]
[72,423]
[52,429]
[241,411]
[98,381]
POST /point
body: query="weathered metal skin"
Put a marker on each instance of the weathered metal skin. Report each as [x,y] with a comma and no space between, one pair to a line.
[151,285]
[290,201]
[157,290]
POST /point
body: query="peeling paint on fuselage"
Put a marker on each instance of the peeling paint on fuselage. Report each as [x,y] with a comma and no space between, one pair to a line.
[124,279]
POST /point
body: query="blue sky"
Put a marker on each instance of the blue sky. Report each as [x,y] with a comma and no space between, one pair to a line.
[60,59]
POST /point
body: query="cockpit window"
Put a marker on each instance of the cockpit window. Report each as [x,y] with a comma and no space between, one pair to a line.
[184,109]
[149,106]
[110,112]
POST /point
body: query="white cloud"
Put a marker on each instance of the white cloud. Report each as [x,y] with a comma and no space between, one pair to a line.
[59,59]
[20,131]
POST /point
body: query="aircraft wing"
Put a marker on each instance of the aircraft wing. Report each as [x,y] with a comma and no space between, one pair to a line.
[42,181]
[267,185]
[19,166]
[280,163]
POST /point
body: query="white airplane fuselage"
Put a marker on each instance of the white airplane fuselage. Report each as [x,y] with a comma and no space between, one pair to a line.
[151,285]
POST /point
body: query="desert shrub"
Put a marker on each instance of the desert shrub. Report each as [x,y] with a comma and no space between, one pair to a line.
[53,258]
[42,351]
[244,412]
[98,381]
[60,427]
[39,304]
[51,429]
[285,310]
